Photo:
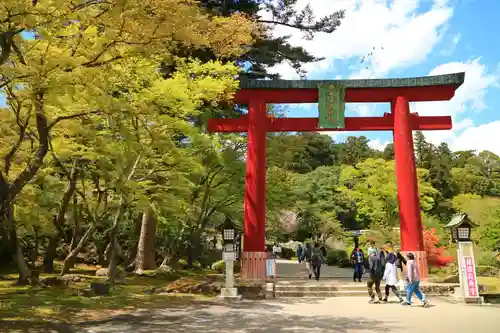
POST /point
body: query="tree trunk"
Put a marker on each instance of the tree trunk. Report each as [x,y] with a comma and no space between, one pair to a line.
[113,244]
[8,192]
[18,255]
[131,258]
[166,260]
[77,229]
[6,247]
[58,221]
[36,249]
[114,249]
[50,254]
[145,257]
[24,272]
[70,259]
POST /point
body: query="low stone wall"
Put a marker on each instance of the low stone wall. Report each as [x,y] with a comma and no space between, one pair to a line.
[253,291]
[438,289]
[491,298]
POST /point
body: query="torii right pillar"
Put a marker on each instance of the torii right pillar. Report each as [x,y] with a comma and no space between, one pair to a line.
[407,183]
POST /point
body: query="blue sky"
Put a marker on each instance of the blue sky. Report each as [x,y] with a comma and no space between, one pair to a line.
[418,38]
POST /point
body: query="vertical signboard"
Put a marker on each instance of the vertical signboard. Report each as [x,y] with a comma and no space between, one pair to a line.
[468,276]
[331,105]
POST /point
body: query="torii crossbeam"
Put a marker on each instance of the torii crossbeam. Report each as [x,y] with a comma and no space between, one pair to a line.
[398,92]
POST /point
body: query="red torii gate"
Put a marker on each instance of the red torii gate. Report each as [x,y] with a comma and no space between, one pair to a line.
[399,92]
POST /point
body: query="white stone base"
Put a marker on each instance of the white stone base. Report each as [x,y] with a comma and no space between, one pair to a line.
[468,300]
[229,294]
[270,290]
[459,298]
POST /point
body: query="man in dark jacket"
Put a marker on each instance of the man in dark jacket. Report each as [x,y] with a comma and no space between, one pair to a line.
[307,257]
[376,271]
[317,260]
[358,261]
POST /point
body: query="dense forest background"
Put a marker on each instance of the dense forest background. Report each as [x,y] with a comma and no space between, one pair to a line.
[106,158]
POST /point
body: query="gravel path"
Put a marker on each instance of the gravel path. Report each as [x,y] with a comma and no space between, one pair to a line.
[341,315]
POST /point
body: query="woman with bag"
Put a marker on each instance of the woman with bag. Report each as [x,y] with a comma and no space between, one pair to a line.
[390,278]
[400,263]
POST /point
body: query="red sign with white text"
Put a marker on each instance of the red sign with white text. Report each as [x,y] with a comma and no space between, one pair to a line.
[471,278]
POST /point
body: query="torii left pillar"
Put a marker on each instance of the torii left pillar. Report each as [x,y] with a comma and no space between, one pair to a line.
[254,255]
[407,183]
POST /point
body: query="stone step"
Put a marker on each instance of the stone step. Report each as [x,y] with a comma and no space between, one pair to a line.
[324,290]
[321,294]
[320,288]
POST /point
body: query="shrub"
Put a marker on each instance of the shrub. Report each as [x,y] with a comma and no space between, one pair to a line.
[436,256]
[220,266]
[287,253]
[337,257]
[209,257]
[487,258]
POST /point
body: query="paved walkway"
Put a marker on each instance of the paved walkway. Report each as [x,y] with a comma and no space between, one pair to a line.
[340,315]
[291,270]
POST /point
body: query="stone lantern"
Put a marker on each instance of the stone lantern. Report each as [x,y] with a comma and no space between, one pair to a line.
[229,239]
[461,227]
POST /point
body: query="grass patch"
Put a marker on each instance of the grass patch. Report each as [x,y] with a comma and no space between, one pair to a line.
[66,304]
[492,283]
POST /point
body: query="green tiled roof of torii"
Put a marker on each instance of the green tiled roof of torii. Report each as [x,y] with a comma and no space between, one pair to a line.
[455,79]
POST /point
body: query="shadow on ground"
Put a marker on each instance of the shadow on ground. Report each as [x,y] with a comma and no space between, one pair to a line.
[255,317]
[29,326]
[211,317]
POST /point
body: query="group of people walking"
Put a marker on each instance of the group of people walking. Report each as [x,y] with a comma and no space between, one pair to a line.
[314,257]
[390,266]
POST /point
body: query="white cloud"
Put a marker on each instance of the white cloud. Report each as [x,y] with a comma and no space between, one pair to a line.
[406,36]
[469,98]
[452,45]
[479,138]
[377,144]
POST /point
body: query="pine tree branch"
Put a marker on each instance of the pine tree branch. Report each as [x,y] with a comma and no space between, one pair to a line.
[290,25]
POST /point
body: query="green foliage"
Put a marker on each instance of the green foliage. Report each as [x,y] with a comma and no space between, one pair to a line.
[485,211]
[287,253]
[220,266]
[338,257]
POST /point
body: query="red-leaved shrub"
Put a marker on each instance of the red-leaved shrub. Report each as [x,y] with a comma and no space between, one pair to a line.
[435,255]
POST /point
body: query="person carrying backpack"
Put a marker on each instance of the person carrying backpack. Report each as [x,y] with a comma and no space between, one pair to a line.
[376,271]
[307,258]
[317,260]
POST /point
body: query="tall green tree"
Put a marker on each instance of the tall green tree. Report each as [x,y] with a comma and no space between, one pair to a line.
[268,50]
[424,151]
[355,150]
[73,69]
[388,153]
[319,150]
